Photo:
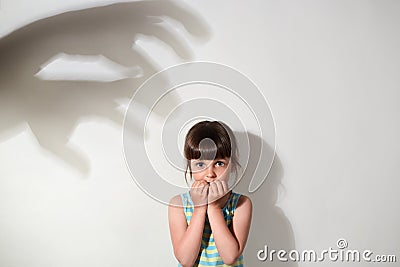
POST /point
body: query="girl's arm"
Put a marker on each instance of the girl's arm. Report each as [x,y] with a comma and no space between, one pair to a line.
[231,242]
[186,239]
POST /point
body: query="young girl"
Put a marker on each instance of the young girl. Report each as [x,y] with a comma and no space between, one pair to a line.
[209,225]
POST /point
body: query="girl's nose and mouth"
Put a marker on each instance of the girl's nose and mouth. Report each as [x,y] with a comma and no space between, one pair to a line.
[211,176]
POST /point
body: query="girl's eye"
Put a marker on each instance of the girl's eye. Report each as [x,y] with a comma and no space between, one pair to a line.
[200,164]
[220,164]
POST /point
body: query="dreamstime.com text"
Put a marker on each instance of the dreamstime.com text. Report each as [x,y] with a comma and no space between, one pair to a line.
[332,254]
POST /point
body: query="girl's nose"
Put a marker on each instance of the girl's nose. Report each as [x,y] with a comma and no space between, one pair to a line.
[210,172]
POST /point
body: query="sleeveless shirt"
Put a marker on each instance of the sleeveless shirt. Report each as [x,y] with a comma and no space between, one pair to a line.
[208,254]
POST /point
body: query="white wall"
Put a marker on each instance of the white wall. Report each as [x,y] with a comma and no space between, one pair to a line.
[329,70]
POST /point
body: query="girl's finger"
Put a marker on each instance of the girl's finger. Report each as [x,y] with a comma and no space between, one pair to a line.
[202,183]
[220,189]
[205,189]
[210,189]
[196,184]
[225,186]
[213,188]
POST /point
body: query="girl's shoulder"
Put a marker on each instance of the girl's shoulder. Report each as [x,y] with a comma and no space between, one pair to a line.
[244,202]
[181,200]
[176,200]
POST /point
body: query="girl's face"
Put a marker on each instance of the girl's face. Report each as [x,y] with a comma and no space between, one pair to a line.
[210,170]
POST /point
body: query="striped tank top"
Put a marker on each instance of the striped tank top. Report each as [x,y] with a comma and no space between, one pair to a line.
[208,254]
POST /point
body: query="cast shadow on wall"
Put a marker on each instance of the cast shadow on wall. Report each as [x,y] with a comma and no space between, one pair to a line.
[52,109]
[270,226]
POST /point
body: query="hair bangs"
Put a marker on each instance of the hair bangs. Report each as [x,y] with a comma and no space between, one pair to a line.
[208,149]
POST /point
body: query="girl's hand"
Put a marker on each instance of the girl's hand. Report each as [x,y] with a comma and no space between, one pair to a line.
[216,193]
[199,192]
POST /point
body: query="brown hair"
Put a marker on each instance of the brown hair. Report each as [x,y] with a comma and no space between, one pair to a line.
[210,140]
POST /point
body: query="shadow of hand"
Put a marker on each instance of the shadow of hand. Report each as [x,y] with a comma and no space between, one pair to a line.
[53,109]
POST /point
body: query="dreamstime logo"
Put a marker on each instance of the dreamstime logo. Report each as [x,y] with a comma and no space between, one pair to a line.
[171,101]
[341,254]
[342,243]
